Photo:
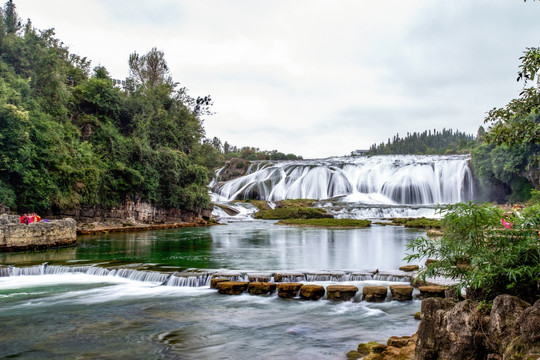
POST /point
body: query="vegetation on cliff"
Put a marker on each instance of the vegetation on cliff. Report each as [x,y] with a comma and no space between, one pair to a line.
[70,136]
[488,251]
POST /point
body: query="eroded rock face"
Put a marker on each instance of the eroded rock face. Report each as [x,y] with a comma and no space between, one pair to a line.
[261,288]
[374,293]
[232,287]
[312,292]
[341,292]
[462,331]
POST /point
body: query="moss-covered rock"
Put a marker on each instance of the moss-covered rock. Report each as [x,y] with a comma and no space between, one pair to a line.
[341,292]
[331,223]
[409,268]
[288,290]
[293,213]
[261,288]
[232,287]
[312,292]
[374,293]
[401,292]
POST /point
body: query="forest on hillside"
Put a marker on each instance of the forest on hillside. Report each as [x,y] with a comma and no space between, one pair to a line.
[70,135]
[442,142]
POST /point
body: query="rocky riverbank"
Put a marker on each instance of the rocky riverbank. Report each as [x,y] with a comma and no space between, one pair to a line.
[465,330]
[15,236]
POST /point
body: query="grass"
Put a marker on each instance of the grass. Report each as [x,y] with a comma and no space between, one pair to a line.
[417,222]
[292,213]
[335,223]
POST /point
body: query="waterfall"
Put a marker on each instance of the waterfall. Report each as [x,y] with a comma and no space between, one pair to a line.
[390,180]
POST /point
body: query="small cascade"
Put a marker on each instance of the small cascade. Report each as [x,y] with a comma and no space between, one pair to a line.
[200,279]
[191,280]
[397,179]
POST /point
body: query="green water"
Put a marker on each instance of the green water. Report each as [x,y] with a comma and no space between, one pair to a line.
[70,316]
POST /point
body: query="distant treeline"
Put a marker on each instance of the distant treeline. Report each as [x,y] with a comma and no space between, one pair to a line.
[428,142]
[247,152]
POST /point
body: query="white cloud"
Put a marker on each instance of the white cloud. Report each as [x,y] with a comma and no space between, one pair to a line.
[314,77]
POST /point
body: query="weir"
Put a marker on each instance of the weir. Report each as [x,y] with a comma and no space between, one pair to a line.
[389,180]
[199,279]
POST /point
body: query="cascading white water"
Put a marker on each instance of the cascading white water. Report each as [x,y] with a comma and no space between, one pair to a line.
[396,179]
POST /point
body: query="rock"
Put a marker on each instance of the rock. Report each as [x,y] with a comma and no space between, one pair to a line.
[409,268]
[464,331]
[289,276]
[215,281]
[232,287]
[374,293]
[341,292]
[311,292]
[430,261]
[401,292]
[398,342]
[353,354]
[40,235]
[366,348]
[288,290]
[261,288]
[259,277]
[432,291]
[418,315]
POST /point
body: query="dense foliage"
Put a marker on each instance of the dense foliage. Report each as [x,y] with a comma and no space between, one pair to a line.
[487,251]
[229,151]
[427,142]
[70,137]
[508,160]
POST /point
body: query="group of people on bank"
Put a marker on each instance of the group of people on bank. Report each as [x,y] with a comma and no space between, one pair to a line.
[29,218]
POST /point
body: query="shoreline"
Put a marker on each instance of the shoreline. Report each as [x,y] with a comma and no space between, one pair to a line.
[105,229]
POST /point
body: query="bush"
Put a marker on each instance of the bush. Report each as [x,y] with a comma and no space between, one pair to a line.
[487,251]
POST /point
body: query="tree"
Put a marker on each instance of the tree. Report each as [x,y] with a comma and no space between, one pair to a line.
[150,69]
[487,251]
[11,19]
[519,121]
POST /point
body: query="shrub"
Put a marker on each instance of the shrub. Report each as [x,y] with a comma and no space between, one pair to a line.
[292,213]
[487,251]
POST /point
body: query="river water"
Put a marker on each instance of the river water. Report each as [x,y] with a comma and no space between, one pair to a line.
[59,312]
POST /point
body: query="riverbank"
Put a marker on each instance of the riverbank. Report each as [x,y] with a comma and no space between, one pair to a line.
[105,228]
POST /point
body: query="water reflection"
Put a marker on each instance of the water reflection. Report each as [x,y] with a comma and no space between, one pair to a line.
[254,245]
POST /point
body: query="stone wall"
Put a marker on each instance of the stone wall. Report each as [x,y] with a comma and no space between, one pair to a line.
[16,237]
[136,211]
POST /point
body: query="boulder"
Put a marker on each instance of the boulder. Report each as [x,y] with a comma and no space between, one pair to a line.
[311,292]
[232,287]
[409,268]
[401,292]
[464,331]
[374,293]
[341,292]
[398,342]
[261,288]
[432,291]
[215,281]
[259,277]
[288,290]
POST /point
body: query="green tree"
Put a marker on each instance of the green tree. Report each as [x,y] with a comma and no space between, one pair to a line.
[486,251]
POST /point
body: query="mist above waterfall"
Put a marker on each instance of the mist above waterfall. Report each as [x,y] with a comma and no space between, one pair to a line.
[387,180]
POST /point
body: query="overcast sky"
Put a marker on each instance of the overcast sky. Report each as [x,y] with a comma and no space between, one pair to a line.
[314,78]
